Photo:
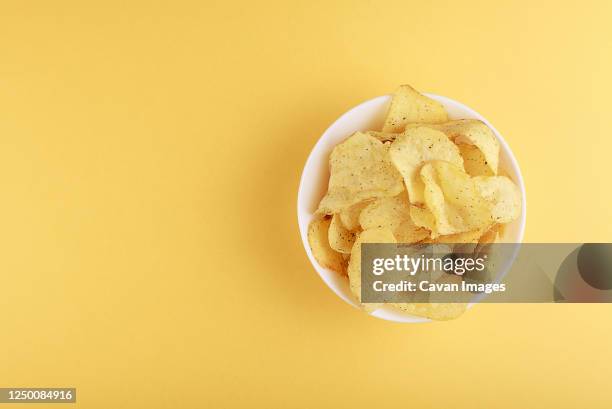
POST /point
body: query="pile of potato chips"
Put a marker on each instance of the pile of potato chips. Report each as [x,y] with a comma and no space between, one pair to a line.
[422,179]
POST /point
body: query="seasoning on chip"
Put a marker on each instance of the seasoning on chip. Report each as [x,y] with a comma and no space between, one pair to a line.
[360,169]
[341,239]
[454,199]
[503,195]
[417,146]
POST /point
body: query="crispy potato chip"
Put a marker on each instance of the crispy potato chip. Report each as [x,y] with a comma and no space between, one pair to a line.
[465,242]
[503,195]
[472,236]
[471,132]
[319,244]
[434,308]
[479,236]
[477,133]
[383,136]
[386,212]
[360,169]
[474,161]
[454,199]
[350,216]
[408,105]
[378,235]
[393,213]
[415,147]
[340,239]
[408,232]
[388,137]
[424,218]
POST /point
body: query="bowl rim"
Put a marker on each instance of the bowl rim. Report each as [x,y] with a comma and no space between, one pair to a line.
[303,225]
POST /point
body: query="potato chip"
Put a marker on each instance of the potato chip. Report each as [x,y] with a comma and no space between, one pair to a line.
[477,142]
[408,232]
[327,257]
[477,133]
[465,242]
[393,213]
[340,238]
[474,161]
[378,235]
[387,137]
[383,136]
[415,147]
[480,237]
[472,236]
[423,218]
[435,307]
[454,199]
[350,216]
[503,195]
[386,212]
[360,169]
[408,105]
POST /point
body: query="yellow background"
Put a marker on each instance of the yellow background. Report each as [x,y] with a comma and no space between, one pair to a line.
[150,154]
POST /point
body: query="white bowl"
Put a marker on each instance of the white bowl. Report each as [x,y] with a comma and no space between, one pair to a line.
[369,115]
